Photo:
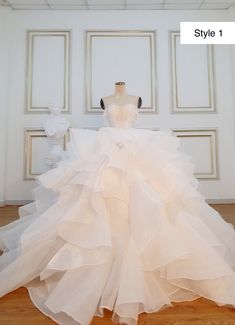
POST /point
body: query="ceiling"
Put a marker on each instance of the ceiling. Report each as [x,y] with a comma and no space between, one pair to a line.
[117,4]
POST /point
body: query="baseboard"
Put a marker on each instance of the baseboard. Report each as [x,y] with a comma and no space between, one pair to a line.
[23,202]
[14,202]
[220,201]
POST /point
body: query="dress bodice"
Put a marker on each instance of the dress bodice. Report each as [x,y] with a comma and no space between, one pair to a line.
[121,116]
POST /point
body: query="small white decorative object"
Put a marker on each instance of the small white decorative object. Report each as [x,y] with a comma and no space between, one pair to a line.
[55,127]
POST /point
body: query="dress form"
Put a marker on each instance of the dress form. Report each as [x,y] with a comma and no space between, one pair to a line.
[120,97]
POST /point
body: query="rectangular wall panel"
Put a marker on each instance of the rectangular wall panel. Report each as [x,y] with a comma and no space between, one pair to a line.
[36,149]
[48,70]
[127,56]
[192,77]
[201,146]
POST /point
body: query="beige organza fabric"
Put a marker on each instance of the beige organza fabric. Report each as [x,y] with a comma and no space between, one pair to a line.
[120,225]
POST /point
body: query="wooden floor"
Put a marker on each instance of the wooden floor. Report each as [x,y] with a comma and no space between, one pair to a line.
[16,307]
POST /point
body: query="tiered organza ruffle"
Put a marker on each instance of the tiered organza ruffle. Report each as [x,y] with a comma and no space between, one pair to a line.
[120,225]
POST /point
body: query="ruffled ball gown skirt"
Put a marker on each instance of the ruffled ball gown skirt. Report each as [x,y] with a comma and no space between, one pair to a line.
[119,225]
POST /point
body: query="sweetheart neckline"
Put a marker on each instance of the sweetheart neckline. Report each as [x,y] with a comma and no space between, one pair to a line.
[121,106]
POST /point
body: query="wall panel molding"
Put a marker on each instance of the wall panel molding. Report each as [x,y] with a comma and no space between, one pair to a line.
[201,142]
[192,77]
[106,64]
[48,70]
[36,152]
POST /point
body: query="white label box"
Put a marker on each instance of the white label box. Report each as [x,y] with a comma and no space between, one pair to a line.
[207,32]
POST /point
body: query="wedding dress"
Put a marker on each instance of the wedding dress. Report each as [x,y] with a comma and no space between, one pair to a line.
[120,225]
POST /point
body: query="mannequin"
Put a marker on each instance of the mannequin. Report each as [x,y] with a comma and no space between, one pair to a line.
[120,97]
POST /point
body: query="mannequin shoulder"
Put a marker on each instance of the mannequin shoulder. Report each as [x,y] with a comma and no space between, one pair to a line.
[102,103]
[136,100]
[139,102]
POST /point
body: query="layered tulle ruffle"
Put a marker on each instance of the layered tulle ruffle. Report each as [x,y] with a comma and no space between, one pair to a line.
[118,225]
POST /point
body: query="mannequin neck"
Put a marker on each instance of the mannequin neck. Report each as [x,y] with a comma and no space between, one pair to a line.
[120,91]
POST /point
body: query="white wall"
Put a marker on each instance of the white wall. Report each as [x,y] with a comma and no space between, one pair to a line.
[3,99]
[13,27]
[231,13]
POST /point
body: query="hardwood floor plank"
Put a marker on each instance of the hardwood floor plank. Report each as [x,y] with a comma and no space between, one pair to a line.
[16,308]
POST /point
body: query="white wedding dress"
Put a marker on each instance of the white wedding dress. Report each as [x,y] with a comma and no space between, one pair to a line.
[120,225]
